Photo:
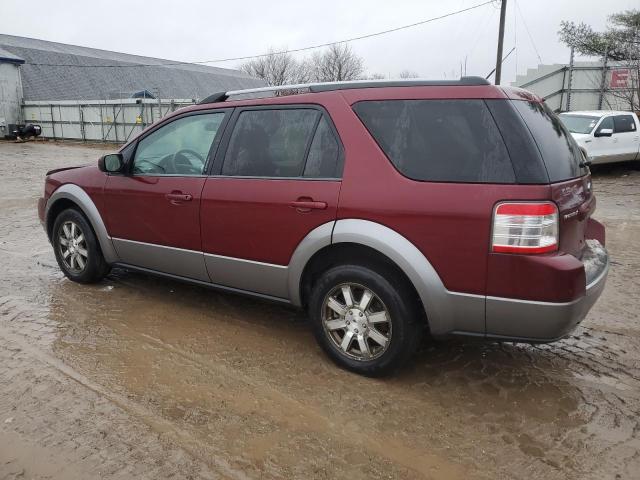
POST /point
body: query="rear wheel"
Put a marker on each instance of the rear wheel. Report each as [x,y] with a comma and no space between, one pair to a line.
[367,322]
[77,249]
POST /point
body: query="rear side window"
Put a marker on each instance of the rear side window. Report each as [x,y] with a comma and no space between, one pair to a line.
[560,153]
[624,123]
[270,143]
[439,140]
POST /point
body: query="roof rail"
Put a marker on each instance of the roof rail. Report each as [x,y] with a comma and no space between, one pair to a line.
[331,86]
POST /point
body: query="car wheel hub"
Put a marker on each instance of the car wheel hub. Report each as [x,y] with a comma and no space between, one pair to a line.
[356,321]
[73,247]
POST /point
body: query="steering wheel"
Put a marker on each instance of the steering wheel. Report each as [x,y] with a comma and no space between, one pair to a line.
[180,162]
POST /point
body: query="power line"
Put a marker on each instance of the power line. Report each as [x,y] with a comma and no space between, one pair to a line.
[294,50]
[528,32]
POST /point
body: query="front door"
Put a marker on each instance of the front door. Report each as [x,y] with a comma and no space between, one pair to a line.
[603,149]
[277,179]
[153,212]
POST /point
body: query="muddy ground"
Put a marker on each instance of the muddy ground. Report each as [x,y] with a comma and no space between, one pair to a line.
[140,377]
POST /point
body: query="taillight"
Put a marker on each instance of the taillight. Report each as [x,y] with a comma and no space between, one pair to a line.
[525,227]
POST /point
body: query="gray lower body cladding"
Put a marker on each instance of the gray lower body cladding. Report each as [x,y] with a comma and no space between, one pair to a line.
[447,312]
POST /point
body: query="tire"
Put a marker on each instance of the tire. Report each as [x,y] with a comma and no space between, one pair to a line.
[389,293]
[77,249]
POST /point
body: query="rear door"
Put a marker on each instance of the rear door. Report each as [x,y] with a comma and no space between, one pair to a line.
[276,178]
[627,139]
[153,212]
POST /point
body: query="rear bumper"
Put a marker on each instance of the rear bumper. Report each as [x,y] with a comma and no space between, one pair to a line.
[535,321]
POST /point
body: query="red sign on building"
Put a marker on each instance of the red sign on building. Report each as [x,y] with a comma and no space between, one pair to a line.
[619,78]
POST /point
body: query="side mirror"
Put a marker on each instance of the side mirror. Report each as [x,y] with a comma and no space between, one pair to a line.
[604,132]
[112,163]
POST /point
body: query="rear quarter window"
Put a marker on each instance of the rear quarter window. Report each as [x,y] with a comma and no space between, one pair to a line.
[562,156]
[439,140]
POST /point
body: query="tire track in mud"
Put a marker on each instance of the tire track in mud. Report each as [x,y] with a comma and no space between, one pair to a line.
[314,422]
[17,343]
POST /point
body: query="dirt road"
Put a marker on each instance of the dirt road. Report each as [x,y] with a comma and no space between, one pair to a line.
[140,377]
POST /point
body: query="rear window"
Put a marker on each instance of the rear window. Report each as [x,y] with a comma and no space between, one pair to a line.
[559,150]
[439,140]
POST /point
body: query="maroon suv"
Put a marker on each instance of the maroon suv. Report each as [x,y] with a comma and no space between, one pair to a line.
[385,209]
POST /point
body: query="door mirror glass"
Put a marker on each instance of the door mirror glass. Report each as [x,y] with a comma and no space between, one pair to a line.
[604,132]
[111,163]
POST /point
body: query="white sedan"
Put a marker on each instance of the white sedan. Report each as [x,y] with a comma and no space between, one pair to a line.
[605,136]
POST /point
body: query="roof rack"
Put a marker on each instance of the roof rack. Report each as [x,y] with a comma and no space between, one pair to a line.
[331,86]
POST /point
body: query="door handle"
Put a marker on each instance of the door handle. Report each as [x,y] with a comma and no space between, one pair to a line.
[305,205]
[177,197]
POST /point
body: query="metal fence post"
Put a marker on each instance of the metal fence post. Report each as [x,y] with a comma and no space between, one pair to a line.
[53,123]
[115,124]
[61,122]
[562,90]
[102,123]
[570,80]
[603,78]
[84,138]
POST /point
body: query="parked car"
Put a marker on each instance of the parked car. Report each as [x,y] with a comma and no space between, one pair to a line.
[605,136]
[385,209]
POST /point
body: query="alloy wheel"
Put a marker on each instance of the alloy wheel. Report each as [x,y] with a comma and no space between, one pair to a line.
[357,321]
[73,247]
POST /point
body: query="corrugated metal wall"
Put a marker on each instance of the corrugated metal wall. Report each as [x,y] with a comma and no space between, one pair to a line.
[10,96]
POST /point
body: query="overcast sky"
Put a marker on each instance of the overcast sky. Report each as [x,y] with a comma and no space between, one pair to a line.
[193,30]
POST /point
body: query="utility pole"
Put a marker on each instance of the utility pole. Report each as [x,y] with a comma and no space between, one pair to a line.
[503,11]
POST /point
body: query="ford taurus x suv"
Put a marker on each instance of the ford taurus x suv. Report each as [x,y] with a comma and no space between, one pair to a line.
[387,210]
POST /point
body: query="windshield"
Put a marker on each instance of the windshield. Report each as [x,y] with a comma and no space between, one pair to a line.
[579,123]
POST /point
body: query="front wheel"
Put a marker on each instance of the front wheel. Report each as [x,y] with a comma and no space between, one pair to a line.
[77,249]
[366,322]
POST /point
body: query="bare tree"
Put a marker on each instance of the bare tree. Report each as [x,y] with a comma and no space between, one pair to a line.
[374,76]
[408,74]
[336,64]
[274,68]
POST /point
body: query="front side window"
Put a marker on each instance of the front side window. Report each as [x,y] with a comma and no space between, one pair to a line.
[607,123]
[270,143]
[439,140]
[178,148]
[624,123]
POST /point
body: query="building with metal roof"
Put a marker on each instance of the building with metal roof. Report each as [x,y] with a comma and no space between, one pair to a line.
[56,71]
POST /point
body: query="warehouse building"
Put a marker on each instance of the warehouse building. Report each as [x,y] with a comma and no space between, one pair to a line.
[92,92]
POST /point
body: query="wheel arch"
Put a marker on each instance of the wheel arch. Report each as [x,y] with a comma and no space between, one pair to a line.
[440,306]
[73,196]
[352,253]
